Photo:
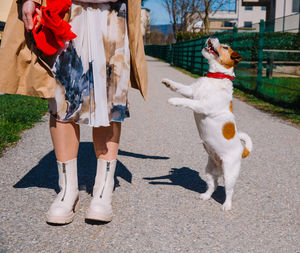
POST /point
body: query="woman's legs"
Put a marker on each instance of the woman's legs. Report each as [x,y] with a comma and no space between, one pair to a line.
[65,138]
[106,141]
[106,144]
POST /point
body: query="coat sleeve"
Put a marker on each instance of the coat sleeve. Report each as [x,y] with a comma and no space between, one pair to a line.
[138,73]
[21,70]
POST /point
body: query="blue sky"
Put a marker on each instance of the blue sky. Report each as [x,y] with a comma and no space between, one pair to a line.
[159,14]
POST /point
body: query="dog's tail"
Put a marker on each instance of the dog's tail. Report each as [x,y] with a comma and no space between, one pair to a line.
[245,138]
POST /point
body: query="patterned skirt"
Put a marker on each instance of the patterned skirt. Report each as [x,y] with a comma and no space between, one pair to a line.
[93,70]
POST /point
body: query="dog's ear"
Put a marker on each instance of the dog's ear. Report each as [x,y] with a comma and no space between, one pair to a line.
[236,57]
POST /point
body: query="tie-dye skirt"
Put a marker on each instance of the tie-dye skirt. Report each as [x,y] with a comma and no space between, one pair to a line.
[93,70]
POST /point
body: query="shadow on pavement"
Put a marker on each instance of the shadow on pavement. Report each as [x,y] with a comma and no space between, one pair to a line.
[188,179]
[95,222]
[44,174]
[141,156]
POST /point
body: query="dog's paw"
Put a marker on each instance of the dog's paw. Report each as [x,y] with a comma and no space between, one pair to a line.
[205,196]
[174,101]
[166,82]
[226,206]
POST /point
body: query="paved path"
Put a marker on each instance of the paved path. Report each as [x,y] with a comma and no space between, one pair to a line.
[160,175]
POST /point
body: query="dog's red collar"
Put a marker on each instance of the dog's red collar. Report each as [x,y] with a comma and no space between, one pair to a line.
[220,76]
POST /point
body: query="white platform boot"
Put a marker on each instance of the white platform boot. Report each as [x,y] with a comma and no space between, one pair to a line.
[100,208]
[66,203]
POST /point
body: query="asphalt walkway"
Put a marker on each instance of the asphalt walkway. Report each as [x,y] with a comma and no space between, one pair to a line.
[160,175]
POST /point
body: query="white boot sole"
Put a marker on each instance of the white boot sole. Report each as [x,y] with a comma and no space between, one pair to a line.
[90,215]
[63,219]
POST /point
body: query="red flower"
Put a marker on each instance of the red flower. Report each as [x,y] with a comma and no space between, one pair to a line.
[53,31]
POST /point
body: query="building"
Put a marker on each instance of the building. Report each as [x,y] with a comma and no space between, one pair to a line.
[276,8]
[281,15]
[249,12]
[240,16]
[249,15]
[145,23]
[218,20]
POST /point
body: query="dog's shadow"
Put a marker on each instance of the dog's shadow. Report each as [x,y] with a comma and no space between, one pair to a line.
[44,174]
[188,179]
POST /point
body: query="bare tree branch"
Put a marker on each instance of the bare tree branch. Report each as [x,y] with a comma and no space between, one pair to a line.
[183,13]
[221,3]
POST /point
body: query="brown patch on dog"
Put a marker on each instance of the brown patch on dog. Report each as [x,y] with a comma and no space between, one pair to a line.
[231,106]
[228,130]
[227,57]
[246,152]
[236,57]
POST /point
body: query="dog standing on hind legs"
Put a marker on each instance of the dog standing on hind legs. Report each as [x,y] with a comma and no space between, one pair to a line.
[210,98]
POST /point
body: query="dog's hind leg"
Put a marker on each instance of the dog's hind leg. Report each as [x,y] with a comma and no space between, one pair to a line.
[184,90]
[212,179]
[231,173]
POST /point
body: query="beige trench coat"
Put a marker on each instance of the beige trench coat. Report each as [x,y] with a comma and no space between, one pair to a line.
[23,72]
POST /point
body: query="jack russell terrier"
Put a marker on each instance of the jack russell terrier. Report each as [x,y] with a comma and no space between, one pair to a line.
[210,98]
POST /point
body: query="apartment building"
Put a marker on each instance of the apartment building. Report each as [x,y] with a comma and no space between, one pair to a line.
[249,15]
[241,16]
[275,8]
[282,14]
[250,12]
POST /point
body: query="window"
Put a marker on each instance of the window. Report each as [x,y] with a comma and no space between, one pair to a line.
[248,24]
[296,6]
[228,24]
[248,8]
[264,8]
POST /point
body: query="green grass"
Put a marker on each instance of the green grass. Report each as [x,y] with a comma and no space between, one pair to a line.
[18,113]
[283,91]
[288,114]
[288,82]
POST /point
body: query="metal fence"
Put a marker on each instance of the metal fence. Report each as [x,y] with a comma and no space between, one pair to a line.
[271,61]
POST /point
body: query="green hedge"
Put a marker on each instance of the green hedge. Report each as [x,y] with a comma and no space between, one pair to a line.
[184,36]
[246,43]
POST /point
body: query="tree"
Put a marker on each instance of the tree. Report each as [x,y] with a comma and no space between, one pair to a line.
[209,7]
[184,12]
[178,11]
[156,37]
